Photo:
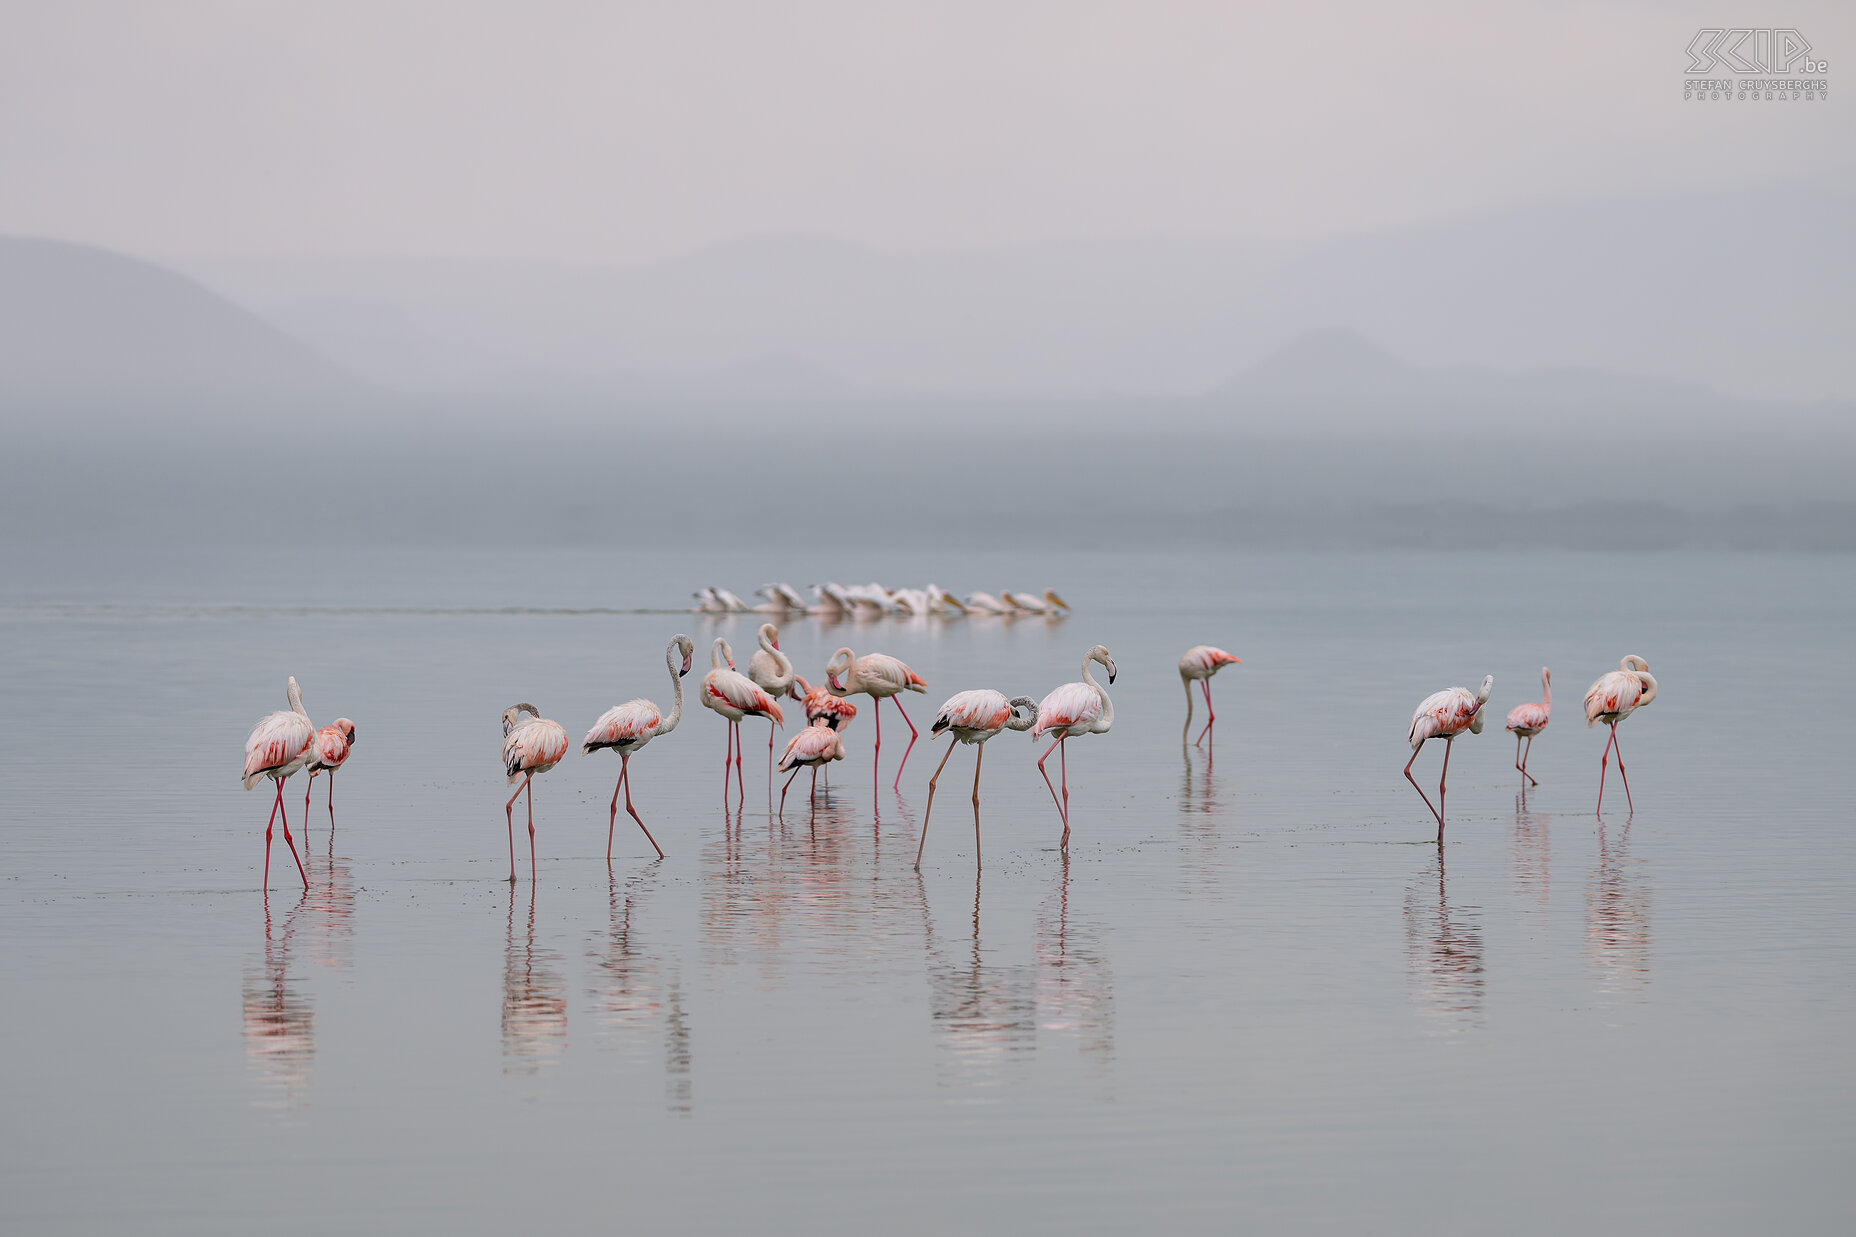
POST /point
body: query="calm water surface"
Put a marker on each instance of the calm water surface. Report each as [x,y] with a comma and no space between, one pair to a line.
[1252,995]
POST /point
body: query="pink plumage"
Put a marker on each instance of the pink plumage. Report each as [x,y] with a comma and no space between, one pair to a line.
[819,703]
[1614,697]
[1203,660]
[624,726]
[277,747]
[812,746]
[533,747]
[977,711]
[1444,715]
[1072,707]
[332,745]
[1070,711]
[736,696]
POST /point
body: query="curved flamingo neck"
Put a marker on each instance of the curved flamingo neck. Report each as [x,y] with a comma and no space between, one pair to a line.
[1546,691]
[720,655]
[676,686]
[295,696]
[1108,705]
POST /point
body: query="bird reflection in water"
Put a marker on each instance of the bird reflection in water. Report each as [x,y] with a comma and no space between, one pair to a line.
[636,991]
[534,999]
[1530,854]
[328,908]
[1443,949]
[1075,987]
[280,1023]
[984,1017]
[1617,916]
[1201,818]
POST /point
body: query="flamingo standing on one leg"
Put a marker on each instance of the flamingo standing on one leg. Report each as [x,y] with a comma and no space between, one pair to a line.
[974,717]
[816,745]
[1200,663]
[627,727]
[878,676]
[1074,709]
[1528,720]
[529,747]
[277,747]
[772,672]
[1444,715]
[727,691]
[332,745]
[1610,700]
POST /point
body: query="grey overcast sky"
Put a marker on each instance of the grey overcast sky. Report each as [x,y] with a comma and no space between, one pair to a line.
[622,131]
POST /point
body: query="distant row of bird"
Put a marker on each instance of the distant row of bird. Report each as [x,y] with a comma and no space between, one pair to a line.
[833,600]
[285,742]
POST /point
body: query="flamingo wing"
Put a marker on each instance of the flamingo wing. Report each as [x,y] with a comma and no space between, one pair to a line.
[1442,714]
[1614,693]
[623,725]
[811,745]
[1202,660]
[980,709]
[741,693]
[279,740]
[332,748]
[1531,716]
[533,747]
[1070,707]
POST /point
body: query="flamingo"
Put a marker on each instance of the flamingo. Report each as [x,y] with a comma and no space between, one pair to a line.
[331,747]
[820,703]
[1074,709]
[1528,720]
[813,746]
[973,717]
[878,676]
[1444,715]
[529,747]
[1201,662]
[277,747]
[772,672]
[625,728]
[734,695]
[1610,700]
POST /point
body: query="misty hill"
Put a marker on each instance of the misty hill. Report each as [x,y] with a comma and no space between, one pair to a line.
[1628,287]
[85,327]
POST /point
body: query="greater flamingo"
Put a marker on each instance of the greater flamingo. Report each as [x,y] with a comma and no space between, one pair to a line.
[820,703]
[727,691]
[625,728]
[1074,709]
[1528,720]
[1610,700]
[772,672]
[277,747]
[529,747]
[878,676]
[813,746]
[331,747]
[1444,715]
[1200,663]
[974,717]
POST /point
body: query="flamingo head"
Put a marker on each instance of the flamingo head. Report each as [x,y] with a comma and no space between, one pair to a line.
[687,647]
[346,727]
[1024,713]
[836,669]
[512,716]
[1100,654]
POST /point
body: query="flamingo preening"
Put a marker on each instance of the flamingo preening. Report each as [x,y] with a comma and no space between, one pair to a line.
[625,728]
[1444,715]
[772,672]
[1200,663]
[816,745]
[878,676]
[727,691]
[331,747]
[1528,720]
[1074,709]
[818,703]
[529,747]
[974,717]
[1614,697]
[278,746]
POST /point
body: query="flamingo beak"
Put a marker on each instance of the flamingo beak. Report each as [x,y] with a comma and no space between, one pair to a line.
[833,680]
[686,668]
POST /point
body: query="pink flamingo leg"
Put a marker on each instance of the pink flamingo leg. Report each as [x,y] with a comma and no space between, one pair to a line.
[815,786]
[789,781]
[1616,746]
[1448,743]
[739,784]
[876,755]
[267,836]
[927,814]
[509,810]
[331,801]
[1053,789]
[309,788]
[913,735]
[529,785]
[1210,716]
[625,775]
[770,754]
[1521,758]
[1420,789]
[283,814]
[977,758]
[1603,763]
[612,817]
[1063,763]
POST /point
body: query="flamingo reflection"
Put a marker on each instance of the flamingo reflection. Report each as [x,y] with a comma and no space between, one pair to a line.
[1617,917]
[637,991]
[534,999]
[1531,853]
[328,909]
[280,1023]
[1075,987]
[984,1016]
[1443,949]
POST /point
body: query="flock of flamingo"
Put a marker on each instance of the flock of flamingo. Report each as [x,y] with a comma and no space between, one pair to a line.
[286,742]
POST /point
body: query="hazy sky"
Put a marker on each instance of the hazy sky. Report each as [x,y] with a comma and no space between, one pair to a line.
[622,131]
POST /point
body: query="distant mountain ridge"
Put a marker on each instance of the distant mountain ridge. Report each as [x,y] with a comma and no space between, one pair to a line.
[84,326]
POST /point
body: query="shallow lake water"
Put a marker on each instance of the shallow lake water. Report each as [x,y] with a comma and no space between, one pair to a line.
[1254,994]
